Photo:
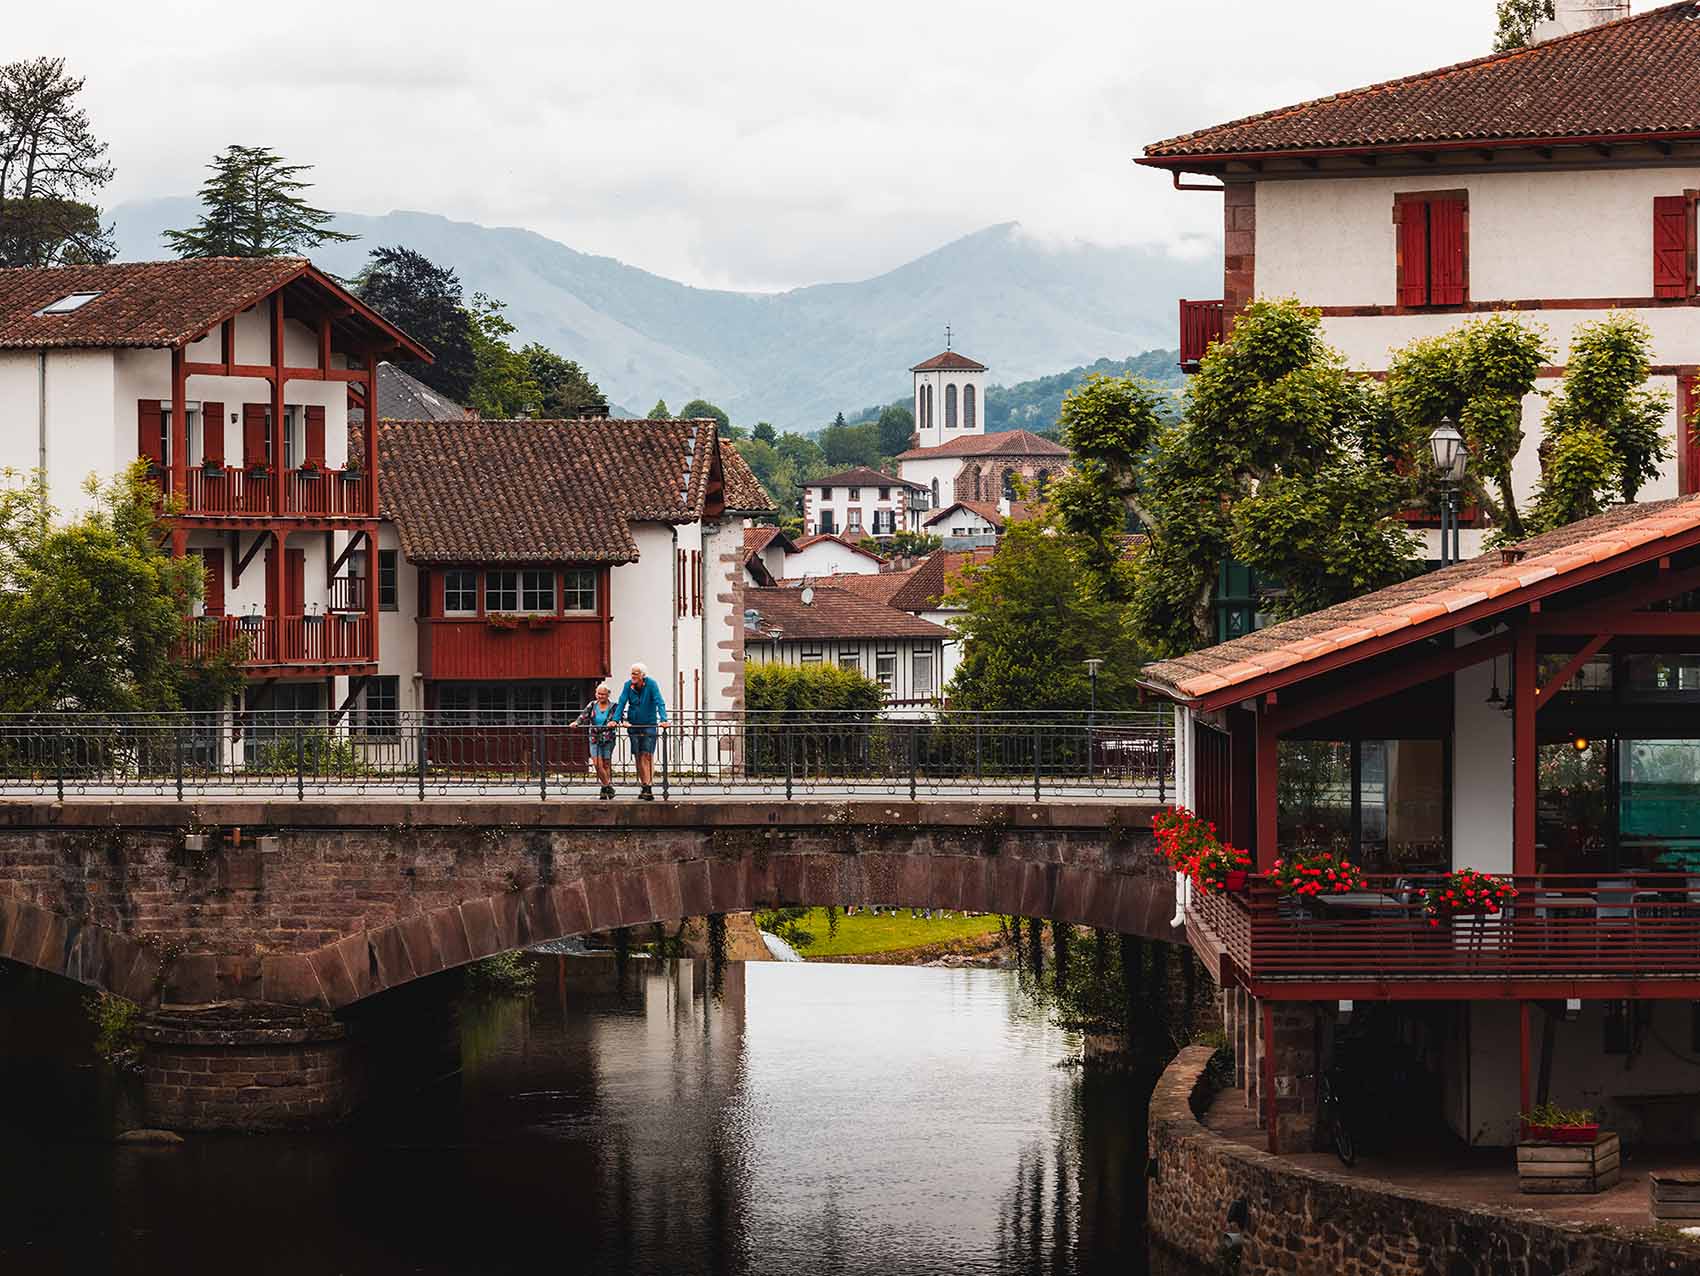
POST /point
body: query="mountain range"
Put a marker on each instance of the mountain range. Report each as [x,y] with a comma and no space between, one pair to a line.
[1022,307]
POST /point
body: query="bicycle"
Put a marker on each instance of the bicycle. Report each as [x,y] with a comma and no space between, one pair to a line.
[1334,1119]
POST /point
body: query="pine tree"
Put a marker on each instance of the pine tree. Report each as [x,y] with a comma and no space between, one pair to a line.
[659,412]
[252,207]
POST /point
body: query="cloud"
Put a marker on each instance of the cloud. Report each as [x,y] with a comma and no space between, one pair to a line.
[755,143]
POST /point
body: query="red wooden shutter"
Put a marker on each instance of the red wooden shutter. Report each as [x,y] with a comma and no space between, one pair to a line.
[1413,253]
[253,434]
[315,435]
[150,420]
[214,593]
[1670,246]
[212,434]
[295,584]
[1447,265]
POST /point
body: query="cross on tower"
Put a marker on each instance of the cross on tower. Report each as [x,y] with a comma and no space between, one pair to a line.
[947,336]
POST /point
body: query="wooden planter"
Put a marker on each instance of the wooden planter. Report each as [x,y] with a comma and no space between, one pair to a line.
[1675,1198]
[1548,1167]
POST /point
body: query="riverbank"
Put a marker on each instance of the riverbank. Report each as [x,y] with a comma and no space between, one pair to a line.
[898,938]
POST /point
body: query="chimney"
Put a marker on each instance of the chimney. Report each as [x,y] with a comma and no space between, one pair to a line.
[1572,16]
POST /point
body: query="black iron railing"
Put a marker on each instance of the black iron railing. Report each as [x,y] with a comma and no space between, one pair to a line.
[439,754]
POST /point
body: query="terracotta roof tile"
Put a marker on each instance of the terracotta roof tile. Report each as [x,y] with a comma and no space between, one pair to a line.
[985,509]
[934,576]
[949,361]
[803,542]
[1423,598]
[1004,443]
[742,491]
[861,476]
[1637,75]
[879,586]
[834,613]
[479,491]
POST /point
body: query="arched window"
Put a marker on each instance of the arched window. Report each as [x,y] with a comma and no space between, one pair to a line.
[927,416]
[935,493]
[950,407]
[1009,485]
[967,407]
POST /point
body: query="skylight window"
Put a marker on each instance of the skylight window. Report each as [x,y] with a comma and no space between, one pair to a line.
[65,305]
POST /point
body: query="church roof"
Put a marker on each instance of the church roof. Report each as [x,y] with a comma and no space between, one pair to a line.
[1003,443]
[949,361]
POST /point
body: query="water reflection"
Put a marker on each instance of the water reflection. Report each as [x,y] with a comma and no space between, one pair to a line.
[810,1118]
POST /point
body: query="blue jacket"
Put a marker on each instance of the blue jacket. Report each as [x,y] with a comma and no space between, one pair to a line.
[643,708]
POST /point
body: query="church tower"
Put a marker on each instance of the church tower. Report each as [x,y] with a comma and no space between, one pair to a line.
[950,398]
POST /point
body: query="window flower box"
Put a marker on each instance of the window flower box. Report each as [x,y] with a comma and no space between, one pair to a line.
[502,620]
[1466,892]
[538,621]
[1310,872]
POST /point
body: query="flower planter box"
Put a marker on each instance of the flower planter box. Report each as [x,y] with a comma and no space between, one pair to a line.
[1674,1198]
[1236,881]
[1564,1133]
[1563,1166]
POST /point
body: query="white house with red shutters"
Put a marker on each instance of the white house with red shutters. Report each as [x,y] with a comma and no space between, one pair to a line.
[1557,182]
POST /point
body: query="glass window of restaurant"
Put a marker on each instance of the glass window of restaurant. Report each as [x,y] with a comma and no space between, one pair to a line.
[1383,803]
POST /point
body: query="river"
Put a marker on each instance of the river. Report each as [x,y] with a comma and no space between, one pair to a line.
[798,1119]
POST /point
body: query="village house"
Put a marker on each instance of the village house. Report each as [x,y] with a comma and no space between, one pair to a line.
[765,548]
[826,554]
[966,524]
[1528,713]
[811,625]
[1555,182]
[861,502]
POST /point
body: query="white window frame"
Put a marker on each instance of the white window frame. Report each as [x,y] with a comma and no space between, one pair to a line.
[530,586]
[462,591]
[490,588]
[573,587]
[885,669]
[919,658]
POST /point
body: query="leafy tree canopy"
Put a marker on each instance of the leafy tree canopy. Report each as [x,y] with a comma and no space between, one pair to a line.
[566,391]
[1517,22]
[251,206]
[896,426]
[503,385]
[92,610]
[659,412]
[765,433]
[847,445]
[51,164]
[697,409]
[424,300]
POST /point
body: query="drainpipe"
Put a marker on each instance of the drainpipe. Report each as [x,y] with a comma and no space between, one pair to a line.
[673,567]
[41,428]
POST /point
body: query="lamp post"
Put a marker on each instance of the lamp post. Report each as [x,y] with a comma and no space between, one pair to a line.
[1092,667]
[1446,446]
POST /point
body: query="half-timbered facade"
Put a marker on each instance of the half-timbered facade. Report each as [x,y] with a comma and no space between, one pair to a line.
[232,378]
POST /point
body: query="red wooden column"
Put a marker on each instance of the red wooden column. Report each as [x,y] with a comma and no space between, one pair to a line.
[277,589]
[372,590]
[370,435]
[278,458]
[1525,703]
[179,446]
[1268,773]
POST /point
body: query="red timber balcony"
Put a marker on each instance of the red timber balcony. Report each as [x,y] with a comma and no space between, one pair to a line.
[1201,324]
[285,642]
[513,647]
[307,493]
[1607,936]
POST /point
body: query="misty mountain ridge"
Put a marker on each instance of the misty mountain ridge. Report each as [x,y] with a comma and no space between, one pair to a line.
[1023,308]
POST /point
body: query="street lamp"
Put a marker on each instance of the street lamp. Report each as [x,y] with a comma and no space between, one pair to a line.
[1092,667]
[1451,458]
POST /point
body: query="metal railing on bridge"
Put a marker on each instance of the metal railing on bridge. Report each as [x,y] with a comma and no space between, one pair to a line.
[940,753]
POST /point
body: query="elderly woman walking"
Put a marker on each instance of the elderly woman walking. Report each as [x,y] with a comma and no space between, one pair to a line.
[603,718]
[645,715]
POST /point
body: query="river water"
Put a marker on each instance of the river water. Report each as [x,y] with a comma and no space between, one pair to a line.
[796,1119]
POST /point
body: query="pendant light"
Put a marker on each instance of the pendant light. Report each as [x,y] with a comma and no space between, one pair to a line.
[1494,698]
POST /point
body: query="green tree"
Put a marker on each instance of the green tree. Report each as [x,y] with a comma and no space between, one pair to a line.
[1275,429]
[1517,22]
[847,445]
[1478,374]
[92,610]
[698,409]
[51,164]
[566,391]
[896,426]
[251,206]
[503,386]
[659,412]
[1602,437]
[839,419]
[765,433]
[424,300]
[1109,424]
[1032,616]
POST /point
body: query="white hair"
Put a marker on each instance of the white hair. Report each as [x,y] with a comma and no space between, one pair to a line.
[603,688]
[640,667]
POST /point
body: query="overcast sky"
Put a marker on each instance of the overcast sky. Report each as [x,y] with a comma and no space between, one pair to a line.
[745,143]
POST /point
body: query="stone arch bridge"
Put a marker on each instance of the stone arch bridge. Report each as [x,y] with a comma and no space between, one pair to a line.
[249,929]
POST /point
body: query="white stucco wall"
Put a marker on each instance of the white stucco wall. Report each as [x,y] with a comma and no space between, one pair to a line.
[938,381]
[828,558]
[398,630]
[1481,770]
[81,435]
[924,471]
[816,502]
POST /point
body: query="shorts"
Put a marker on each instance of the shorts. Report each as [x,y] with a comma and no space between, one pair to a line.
[602,748]
[643,739]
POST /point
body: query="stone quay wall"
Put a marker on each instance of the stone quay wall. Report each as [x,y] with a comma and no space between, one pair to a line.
[1304,1222]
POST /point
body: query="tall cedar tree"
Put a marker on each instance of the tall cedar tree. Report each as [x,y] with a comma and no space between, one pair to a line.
[93,610]
[51,164]
[425,301]
[252,207]
[566,389]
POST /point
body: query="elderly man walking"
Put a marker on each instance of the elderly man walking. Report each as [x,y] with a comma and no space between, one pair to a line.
[645,716]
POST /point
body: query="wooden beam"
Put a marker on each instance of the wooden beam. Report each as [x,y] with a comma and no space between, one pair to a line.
[259,371]
[1664,584]
[356,684]
[227,342]
[1590,649]
[245,559]
[1628,624]
[324,343]
[280,463]
[179,484]
[1524,701]
[348,549]
[1412,673]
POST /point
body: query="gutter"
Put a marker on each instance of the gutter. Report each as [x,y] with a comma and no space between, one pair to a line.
[1190,162]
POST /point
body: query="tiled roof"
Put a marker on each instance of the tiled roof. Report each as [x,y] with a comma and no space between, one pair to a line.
[477,491]
[404,397]
[742,490]
[833,613]
[949,361]
[1425,598]
[878,586]
[1640,75]
[1005,443]
[928,583]
[803,542]
[985,509]
[760,537]
[861,476]
[155,303]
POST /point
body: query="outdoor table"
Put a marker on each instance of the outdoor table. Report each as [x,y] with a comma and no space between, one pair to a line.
[1375,902]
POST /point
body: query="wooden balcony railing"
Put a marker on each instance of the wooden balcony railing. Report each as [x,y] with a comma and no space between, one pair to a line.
[233,490]
[1201,324]
[348,593]
[285,640]
[1621,926]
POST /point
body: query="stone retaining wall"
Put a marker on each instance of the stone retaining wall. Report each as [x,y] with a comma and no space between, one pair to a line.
[1306,1222]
